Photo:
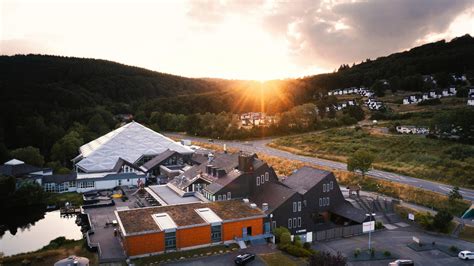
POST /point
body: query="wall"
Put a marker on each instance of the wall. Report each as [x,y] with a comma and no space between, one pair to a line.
[143,244]
[193,236]
[234,229]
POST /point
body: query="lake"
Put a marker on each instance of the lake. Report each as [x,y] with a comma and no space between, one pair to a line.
[40,233]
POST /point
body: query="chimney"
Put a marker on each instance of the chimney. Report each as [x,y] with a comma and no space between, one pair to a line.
[214,171]
[245,163]
[246,201]
[225,148]
[209,169]
[253,205]
[220,173]
[264,206]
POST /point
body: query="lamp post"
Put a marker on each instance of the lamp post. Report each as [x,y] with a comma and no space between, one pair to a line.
[370,231]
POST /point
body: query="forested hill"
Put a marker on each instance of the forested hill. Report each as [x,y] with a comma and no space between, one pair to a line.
[456,56]
[43,97]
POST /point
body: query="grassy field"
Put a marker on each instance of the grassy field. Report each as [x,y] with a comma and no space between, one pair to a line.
[278,258]
[417,156]
[59,199]
[48,256]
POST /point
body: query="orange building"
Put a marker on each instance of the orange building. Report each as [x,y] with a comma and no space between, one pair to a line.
[177,227]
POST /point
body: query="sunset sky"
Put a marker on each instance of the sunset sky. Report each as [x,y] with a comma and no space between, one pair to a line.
[246,39]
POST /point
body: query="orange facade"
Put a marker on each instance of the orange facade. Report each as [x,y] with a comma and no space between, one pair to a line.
[194,236]
[143,244]
[231,230]
[189,237]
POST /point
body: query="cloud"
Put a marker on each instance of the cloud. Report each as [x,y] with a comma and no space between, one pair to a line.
[326,33]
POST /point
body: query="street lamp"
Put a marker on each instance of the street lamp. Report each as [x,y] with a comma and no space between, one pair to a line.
[370,230]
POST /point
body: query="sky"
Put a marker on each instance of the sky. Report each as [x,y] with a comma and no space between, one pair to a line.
[234,39]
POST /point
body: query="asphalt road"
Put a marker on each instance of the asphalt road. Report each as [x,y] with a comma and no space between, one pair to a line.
[261,146]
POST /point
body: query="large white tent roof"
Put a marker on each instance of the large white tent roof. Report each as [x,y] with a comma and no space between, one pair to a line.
[129,142]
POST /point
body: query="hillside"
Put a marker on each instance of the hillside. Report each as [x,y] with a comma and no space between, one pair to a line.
[43,98]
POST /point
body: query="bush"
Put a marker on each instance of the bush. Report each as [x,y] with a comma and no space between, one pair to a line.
[297,242]
[379,225]
[356,252]
[297,251]
[387,253]
[442,220]
[285,239]
[325,258]
[372,252]
[277,232]
[307,245]
[453,249]
[435,101]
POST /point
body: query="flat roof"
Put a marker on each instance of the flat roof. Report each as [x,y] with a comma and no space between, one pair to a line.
[170,197]
[164,221]
[139,221]
[208,215]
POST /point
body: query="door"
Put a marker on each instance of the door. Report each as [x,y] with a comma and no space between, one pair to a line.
[266,228]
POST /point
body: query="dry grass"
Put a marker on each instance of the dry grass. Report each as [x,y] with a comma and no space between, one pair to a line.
[467,233]
[49,257]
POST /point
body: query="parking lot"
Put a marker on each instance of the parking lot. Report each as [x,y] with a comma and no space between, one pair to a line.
[396,241]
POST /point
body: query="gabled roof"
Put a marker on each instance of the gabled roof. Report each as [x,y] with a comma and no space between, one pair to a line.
[121,162]
[18,168]
[305,178]
[158,159]
[129,142]
[273,193]
[346,210]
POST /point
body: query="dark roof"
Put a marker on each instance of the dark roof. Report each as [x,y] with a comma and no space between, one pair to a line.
[199,158]
[114,176]
[141,220]
[305,178]
[273,193]
[59,178]
[18,170]
[346,210]
[158,159]
[121,162]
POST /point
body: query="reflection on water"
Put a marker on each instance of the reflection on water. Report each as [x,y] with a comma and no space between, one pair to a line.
[34,234]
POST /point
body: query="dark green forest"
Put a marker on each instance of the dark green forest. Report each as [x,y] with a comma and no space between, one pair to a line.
[54,104]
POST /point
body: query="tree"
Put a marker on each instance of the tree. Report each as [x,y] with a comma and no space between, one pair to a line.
[29,155]
[360,160]
[442,220]
[323,258]
[67,147]
[355,111]
[454,194]
[97,125]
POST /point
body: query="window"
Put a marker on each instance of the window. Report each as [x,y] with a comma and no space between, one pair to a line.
[299,221]
[216,233]
[219,197]
[328,201]
[266,176]
[331,185]
[294,206]
[262,178]
[228,195]
[294,223]
[299,206]
[320,202]
[274,224]
[119,182]
[324,187]
[170,240]
[224,197]
[289,223]
[258,180]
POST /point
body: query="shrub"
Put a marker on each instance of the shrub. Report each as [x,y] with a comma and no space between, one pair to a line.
[453,249]
[379,225]
[297,242]
[285,239]
[307,245]
[356,252]
[387,253]
[297,251]
[442,220]
[277,232]
[372,252]
[325,258]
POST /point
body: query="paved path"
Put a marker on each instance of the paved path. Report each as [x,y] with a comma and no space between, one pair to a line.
[261,146]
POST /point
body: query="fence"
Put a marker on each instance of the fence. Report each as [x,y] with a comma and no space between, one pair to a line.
[338,232]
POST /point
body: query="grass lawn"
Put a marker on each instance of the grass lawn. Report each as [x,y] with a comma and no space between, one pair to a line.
[417,156]
[59,199]
[467,233]
[49,256]
[278,258]
[194,253]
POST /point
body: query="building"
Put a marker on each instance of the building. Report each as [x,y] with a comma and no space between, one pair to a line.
[470,100]
[161,229]
[132,142]
[20,169]
[412,130]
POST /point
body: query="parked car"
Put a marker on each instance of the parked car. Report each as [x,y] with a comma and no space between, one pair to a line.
[466,255]
[243,259]
[402,262]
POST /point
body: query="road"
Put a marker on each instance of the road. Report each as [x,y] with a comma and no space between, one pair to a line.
[261,146]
